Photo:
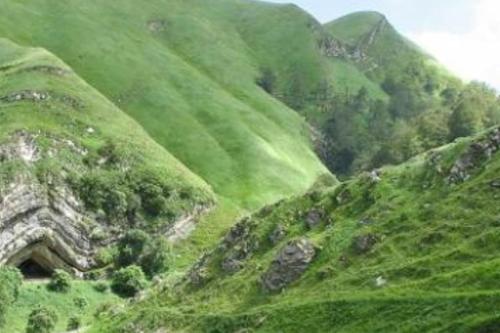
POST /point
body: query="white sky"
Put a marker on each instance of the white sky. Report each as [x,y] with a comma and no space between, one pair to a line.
[464,35]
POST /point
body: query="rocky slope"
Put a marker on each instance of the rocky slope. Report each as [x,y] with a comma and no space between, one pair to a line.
[75,172]
[409,248]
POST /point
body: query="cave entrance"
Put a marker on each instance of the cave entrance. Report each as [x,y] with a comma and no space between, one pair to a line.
[33,270]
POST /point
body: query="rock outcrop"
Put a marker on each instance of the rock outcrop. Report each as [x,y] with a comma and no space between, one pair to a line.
[478,151]
[291,262]
[47,226]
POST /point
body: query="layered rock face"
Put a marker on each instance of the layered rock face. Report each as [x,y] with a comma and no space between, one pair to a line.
[47,217]
[45,226]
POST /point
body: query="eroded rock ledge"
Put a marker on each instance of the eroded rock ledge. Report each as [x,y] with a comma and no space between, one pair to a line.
[46,226]
[46,220]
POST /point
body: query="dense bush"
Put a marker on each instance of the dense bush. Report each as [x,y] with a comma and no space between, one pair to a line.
[60,281]
[81,302]
[131,247]
[41,320]
[128,281]
[74,323]
[10,282]
[101,286]
[156,257]
[125,197]
[151,254]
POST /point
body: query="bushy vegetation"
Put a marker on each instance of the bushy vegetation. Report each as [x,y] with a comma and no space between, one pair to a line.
[60,281]
[152,254]
[74,323]
[42,320]
[10,282]
[128,281]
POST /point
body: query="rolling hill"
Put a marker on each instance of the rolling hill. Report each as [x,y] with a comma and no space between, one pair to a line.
[187,76]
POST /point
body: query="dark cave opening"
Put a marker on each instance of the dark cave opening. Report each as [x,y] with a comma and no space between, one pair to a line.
[33,270]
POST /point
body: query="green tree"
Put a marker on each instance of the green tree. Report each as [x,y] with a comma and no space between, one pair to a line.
[128,281]
[465,120]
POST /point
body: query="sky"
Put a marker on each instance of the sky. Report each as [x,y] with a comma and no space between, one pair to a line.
[464,35]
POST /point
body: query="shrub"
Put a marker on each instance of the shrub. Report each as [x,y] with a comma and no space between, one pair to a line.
[60,281]
[131,247]
[81,302]
[106,256]
[41,320]
[74,323]
[156,258]
[101,286]
[10,281]
[127,282]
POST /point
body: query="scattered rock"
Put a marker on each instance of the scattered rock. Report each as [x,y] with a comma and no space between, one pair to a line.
[375,176]
[52,70]
[22,146]
[241,231]
[363,244]
[198,274]
[476,153]
[26,95]
[344,197]
[314,217]
[495,183]
[291,263]
[380,281]
[156,26]
[366,221]
[278,234]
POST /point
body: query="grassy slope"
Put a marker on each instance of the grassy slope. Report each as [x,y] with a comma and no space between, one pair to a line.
[190,84]
[437,248]
[57,116]
[36,293]
[390,50]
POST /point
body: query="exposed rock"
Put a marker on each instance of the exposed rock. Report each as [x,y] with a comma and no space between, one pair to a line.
[291,263]
[238,245]
[495,183]
[198,274]
[314,217]
[375,176]
[366,221]
[231,265]
[380,281]
[156,26]
[241,231]
[278,234]
[26,95]
[331,47]
[344,196]
[182,228]
[21,146]
[477,152]
[52,70]
[363,244]
[46,226]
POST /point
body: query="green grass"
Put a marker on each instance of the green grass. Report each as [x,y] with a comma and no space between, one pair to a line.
[351,28]
[437,248]
[36,293]
[191,86]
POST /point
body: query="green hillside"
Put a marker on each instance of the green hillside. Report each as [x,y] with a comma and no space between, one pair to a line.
[411,249]
[74,126]
[187,76]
